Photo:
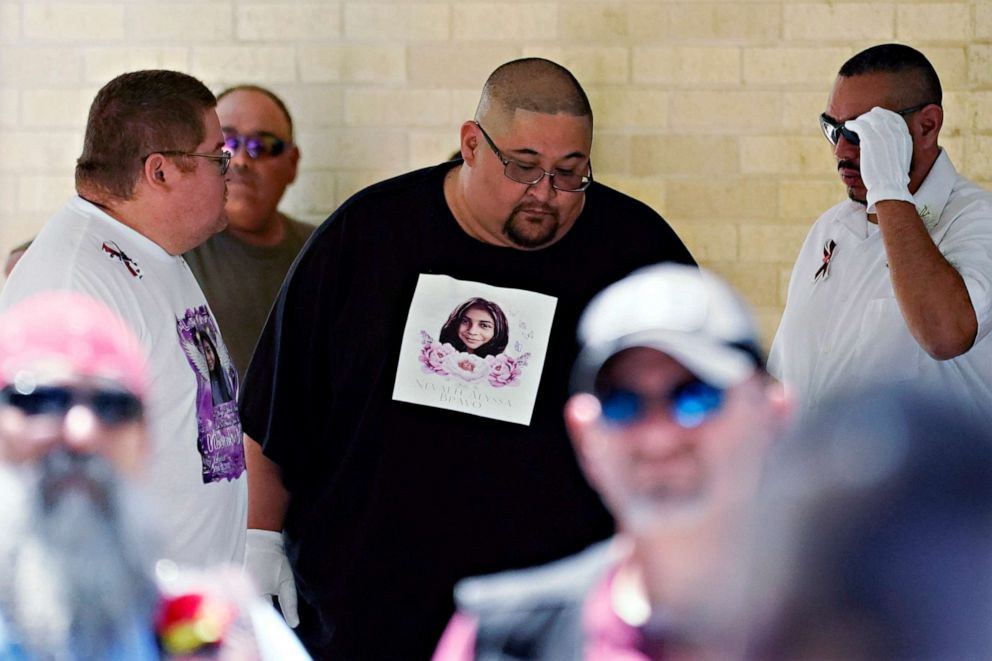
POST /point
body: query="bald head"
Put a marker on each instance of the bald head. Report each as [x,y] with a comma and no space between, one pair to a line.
[533,84]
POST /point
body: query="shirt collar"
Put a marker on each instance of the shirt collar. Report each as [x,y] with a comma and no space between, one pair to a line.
[931,198]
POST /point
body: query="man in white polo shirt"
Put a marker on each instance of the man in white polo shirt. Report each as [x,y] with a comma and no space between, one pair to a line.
[896,283]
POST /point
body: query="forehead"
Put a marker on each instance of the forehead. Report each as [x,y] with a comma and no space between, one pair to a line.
[855,95]
[250,111]
[556,136]
[213,137]
[644,369]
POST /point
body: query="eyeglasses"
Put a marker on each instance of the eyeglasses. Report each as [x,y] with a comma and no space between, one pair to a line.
[258,145]
[111,407]
[690,404]
[222,159]
[563,180]
[832,129]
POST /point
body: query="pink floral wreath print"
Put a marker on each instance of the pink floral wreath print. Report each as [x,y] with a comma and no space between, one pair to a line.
[444,360]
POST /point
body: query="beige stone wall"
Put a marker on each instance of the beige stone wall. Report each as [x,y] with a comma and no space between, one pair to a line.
[705,110]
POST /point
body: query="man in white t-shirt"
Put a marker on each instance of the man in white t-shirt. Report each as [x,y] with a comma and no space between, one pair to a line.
[151,185]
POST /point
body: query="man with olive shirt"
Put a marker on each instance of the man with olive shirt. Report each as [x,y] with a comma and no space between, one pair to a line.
[895,284]
[240,269]
[385,504]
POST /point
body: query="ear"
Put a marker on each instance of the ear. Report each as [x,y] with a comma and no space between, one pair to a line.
[470,139]
[782,404]
[294,160]
[581,419]
[157,171]
[930,119]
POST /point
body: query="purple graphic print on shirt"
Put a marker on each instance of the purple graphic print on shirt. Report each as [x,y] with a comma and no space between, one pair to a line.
[218,437]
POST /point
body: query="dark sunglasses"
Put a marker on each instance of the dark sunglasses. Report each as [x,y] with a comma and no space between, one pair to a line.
[257,144]
[111,407]
[689,404]
[833,130]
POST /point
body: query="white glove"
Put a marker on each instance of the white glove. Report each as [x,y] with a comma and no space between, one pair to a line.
[886,154]
[267,565]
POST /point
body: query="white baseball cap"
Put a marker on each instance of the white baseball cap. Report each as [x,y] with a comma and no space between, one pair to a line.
[683,311]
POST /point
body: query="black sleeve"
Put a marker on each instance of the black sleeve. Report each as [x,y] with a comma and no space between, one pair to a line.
[287,386]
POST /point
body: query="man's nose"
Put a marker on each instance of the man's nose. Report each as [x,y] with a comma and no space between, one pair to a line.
[81,429]
[240,157]
[844,149]
[543,190]
[658,431]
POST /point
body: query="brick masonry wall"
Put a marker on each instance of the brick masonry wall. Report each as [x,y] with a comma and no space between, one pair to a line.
[704,110]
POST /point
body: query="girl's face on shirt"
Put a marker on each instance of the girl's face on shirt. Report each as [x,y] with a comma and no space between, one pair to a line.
[209,354]
[476,328]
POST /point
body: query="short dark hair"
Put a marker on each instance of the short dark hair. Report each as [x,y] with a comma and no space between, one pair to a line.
[267,92]
[136,114]
[501,334]
[538,85]
[897,58]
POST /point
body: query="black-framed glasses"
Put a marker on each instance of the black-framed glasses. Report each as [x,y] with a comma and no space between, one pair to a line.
[223,159]
[690,404]
[111,407]
[257,145]
[833,130]
[522,173]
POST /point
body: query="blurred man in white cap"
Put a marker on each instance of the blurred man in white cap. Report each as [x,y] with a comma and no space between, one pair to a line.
[76,549]
[670,417]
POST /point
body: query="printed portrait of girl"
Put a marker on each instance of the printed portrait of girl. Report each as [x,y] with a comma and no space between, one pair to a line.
[477,326]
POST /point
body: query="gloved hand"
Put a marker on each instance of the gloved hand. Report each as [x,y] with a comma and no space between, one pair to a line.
[886,154]
[267,565]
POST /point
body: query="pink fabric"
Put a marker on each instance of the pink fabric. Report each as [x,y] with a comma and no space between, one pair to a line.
[69,332]
[458,641]
[608,638]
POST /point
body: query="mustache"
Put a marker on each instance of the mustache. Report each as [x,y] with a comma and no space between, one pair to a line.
[848,165]
[64,471]
[240,175]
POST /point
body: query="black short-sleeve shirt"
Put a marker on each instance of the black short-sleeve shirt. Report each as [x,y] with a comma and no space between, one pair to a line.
[393,502]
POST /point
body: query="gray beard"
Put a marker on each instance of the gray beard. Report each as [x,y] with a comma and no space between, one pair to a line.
[74,563]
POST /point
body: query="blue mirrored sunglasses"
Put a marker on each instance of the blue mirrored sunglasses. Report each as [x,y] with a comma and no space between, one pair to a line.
[689,404]
[258,145]
[111,407]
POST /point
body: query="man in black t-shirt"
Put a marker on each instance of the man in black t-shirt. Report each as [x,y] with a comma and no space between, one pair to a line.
[385,501]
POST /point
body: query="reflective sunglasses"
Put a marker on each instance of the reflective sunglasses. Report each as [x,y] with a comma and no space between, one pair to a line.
[111,407]
[258,145]
[833,130]
[563,180]
[690,404]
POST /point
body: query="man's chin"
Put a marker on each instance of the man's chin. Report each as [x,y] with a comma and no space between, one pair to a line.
[529,234]
[857,195]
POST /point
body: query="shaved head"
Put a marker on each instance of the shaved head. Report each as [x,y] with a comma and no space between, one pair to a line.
[533,84]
